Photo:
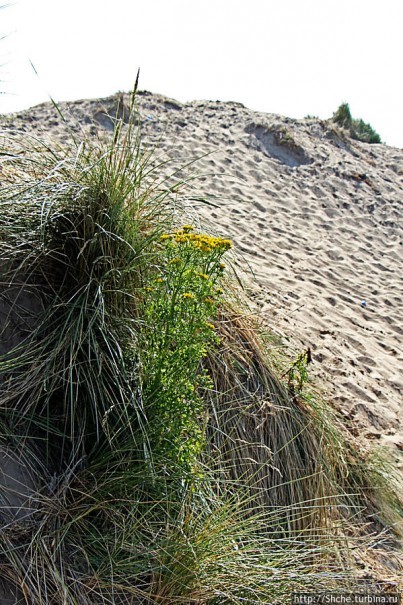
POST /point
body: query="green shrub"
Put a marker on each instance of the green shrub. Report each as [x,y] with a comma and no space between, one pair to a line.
[358,129]
[343,116]
[363,131]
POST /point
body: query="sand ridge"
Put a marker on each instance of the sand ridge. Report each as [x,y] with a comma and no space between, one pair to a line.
[313,213]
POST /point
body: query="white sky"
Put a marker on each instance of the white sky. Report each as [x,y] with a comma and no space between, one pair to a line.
[293,57]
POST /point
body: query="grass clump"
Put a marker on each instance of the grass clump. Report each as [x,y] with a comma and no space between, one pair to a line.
[357,128]
[171,463]
[77,236]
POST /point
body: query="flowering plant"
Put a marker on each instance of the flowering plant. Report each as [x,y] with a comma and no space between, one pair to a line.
[180,304]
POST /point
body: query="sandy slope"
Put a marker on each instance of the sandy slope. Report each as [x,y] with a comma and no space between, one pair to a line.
[317,219]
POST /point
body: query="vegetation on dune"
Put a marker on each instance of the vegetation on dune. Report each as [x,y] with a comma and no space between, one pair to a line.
[179,306]
[174,465]
[358,129]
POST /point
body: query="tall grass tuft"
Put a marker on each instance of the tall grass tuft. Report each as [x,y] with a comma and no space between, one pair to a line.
[80,235]
[265,438]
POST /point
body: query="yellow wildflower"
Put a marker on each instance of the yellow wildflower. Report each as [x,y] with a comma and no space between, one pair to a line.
[225,243]
[203,275]
[210,325]
[188,295]
[201,241]
[209,300]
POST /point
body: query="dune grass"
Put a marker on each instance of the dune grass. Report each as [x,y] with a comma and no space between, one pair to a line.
[174,465]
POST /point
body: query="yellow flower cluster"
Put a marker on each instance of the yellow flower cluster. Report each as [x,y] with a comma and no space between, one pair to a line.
[201,241]
[188,295]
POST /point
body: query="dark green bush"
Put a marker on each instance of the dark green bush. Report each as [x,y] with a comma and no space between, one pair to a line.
[359,130]
[343,116]
[364,132]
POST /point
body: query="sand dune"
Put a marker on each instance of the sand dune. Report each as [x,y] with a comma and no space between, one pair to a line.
[314,214]
[315,218]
